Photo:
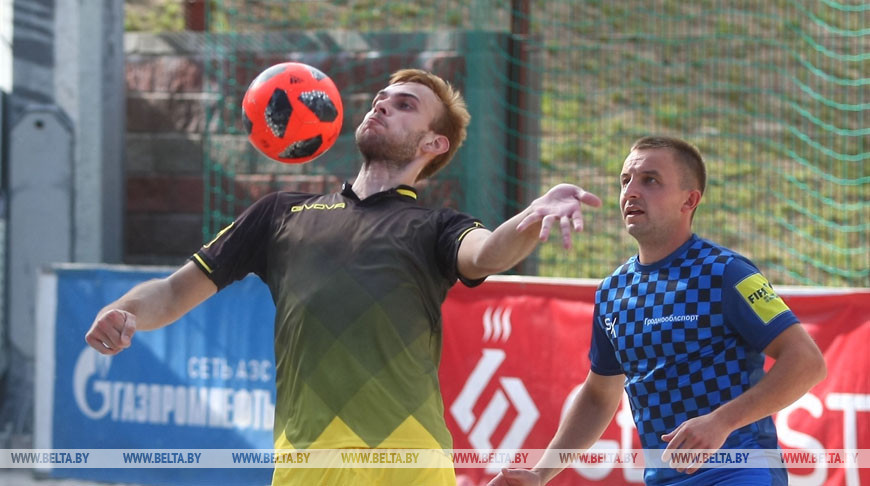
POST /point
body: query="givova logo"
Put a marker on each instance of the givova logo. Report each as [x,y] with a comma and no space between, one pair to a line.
[511,391]
[318,206]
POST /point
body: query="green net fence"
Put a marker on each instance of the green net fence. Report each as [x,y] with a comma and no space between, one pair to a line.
[776,95]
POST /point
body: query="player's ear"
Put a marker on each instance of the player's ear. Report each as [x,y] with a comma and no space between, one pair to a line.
[692,200]
[435,144]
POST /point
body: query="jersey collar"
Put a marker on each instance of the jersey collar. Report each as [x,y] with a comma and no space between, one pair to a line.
[650,267]
[401,191]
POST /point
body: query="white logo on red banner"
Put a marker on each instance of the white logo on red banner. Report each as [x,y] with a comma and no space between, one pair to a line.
[497,324]
[512,391]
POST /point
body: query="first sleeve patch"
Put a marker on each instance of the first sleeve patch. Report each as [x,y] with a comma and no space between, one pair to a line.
[759,294]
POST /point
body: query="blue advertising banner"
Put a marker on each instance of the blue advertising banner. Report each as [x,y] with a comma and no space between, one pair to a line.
[205,382]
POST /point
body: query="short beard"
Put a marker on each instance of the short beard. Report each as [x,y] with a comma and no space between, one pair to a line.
[394,153]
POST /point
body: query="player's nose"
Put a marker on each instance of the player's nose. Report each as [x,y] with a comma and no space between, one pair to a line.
[629,190]
[381,106]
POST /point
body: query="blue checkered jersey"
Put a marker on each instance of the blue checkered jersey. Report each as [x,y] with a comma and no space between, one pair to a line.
[688,333]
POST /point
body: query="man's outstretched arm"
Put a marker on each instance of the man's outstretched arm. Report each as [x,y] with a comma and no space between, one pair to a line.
[149,305]
[485,253]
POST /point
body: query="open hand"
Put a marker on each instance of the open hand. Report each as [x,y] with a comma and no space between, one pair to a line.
[563,204]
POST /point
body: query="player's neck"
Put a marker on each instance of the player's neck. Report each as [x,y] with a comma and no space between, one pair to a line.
[375,177]
[652,250]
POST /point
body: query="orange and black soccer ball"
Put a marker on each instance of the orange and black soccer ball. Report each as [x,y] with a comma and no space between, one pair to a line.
[292,112]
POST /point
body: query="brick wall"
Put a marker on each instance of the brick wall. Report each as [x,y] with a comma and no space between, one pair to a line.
[163,154]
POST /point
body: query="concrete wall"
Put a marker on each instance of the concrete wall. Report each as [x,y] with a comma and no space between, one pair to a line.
[62,163]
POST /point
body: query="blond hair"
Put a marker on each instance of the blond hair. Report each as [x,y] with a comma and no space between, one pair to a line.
[451,123]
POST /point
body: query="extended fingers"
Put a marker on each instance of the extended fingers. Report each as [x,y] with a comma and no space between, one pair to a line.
[587,197]
[577,220]
[563,203]
[565,224]
[546,225]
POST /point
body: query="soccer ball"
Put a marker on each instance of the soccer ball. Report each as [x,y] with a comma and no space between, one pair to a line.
[292,112]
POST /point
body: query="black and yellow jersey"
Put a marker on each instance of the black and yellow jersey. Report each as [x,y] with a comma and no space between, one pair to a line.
[358,287]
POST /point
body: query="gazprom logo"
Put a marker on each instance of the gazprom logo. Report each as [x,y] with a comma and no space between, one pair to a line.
[100,398]
[88,364]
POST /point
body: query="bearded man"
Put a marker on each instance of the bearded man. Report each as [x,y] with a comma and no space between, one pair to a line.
[358,278]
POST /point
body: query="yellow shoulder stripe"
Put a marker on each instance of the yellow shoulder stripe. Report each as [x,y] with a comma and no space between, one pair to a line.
[476,225]
[202,262]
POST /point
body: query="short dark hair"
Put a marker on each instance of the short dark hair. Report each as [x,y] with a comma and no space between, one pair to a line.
[686,154]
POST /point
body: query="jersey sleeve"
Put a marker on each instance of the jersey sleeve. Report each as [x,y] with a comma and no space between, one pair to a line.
[602,357]
[240,248]
[751,306]
[454,226]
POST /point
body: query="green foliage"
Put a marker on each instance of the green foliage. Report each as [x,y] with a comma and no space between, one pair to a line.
[154,16]
[775,94]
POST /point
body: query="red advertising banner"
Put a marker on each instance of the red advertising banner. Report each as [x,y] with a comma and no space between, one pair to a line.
[515,353]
